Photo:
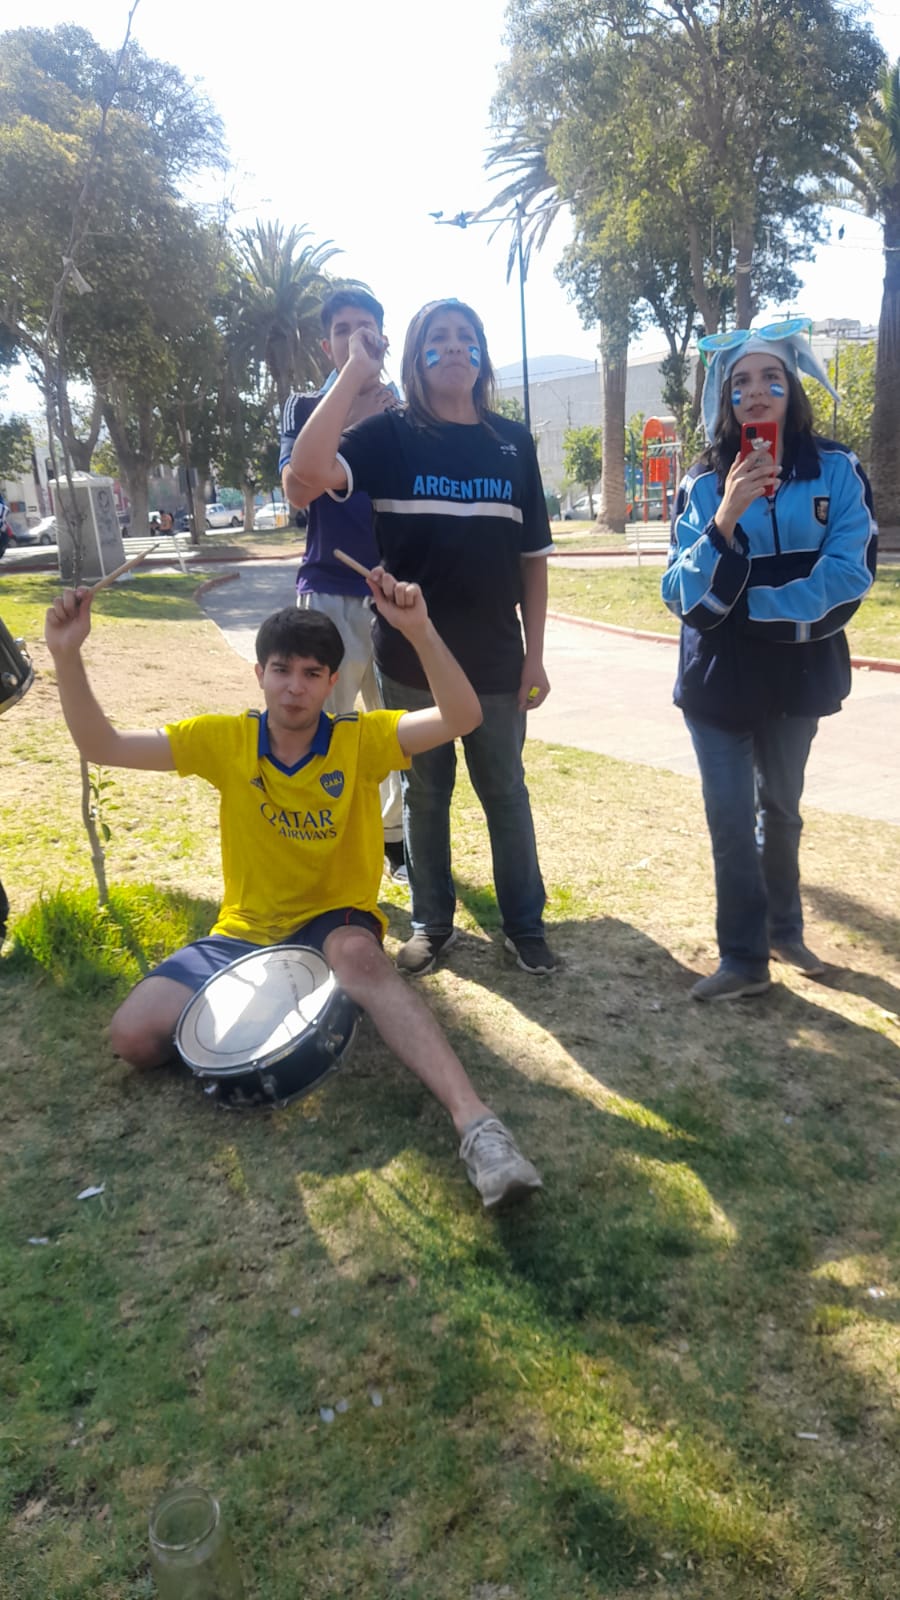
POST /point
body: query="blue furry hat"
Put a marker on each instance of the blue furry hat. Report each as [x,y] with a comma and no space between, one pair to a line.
[788,341]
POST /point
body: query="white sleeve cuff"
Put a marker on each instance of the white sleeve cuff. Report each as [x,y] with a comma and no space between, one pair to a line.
[343,494]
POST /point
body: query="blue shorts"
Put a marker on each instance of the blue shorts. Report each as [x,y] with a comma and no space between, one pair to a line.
[197,962]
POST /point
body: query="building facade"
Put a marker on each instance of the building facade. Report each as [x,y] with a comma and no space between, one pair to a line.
[566,392]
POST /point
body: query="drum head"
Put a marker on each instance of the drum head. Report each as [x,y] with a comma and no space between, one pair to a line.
[254,1011]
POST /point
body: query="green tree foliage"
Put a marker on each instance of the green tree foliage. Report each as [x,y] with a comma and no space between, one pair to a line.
[282,285]
[869,181]
[852,372]
[107,156]
[508,405]
[16,446]
[104,461]
[583,458]
[684,137]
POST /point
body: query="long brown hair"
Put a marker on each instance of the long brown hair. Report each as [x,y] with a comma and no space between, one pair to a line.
[726,440]
[417,403]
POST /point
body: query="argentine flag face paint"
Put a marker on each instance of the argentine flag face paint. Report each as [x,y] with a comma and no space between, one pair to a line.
[474,355]
[432,357]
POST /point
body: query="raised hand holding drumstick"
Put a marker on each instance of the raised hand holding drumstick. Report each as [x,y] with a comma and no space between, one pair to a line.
[401,604]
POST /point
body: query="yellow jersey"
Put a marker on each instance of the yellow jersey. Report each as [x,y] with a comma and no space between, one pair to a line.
[295,841]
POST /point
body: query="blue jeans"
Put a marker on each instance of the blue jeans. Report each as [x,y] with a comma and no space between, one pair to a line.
[494,759]
[757,877]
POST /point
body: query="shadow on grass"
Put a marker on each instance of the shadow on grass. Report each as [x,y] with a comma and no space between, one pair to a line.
[857,916]
[629,1304]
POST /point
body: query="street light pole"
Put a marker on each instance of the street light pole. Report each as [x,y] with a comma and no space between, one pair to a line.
[522,314]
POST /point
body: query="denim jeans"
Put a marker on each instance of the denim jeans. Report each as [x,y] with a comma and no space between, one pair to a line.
[754,780]
[494,759]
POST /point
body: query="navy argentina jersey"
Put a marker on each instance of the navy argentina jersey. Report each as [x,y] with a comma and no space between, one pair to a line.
[456,506]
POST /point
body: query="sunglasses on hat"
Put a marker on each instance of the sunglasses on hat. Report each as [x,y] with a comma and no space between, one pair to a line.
[712,343]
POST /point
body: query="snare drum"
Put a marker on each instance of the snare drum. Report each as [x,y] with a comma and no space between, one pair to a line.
[16,671]
[268,1027]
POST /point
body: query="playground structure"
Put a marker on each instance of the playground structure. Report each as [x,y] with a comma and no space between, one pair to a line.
[660,470]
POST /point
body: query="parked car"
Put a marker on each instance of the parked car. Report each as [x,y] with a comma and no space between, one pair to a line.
[219,516]
[43,532]
[581,511]
[275,514]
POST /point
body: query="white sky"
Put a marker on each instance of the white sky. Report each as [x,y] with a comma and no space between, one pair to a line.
[359,119]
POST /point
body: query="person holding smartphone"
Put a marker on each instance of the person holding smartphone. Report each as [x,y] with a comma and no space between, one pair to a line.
[773,547]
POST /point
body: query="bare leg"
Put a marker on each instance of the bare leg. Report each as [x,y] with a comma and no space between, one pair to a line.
[142,1031]
[404,1021]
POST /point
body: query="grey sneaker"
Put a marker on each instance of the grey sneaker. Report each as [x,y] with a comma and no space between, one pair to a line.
[495,1164]
[797,955]
[532,954]
[728,985]
[420,953]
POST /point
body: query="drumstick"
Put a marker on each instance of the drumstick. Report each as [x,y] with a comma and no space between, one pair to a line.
[125,567]
[350,561]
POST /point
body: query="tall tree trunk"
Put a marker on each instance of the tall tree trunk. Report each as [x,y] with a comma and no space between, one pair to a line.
[80,450]
[707,305]
[743,274]
[885,448]
[249,494]
[614,352]
[134,461]
[198,499]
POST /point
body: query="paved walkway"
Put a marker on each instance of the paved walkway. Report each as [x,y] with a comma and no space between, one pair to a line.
[614,695]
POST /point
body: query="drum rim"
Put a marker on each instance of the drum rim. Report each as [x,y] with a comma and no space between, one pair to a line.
[278,1103]
[20,692]
[253,1063]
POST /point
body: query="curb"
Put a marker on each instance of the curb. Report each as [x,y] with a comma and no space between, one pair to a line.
[227,556]
[213,583]
[631,550]
[861,663]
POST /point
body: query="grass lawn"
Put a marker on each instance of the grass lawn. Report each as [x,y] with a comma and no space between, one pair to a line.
[675,1373]
[629,597]
[580,536]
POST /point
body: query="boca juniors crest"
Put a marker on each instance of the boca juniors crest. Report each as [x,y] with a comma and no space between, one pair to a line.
[333,784]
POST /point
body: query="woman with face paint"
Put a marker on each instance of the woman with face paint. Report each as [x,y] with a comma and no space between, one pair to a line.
[771,553]
[459,508]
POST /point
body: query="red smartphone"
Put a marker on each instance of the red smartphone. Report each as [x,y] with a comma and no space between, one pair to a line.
[759,436]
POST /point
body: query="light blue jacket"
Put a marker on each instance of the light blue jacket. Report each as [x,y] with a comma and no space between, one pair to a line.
[763,617]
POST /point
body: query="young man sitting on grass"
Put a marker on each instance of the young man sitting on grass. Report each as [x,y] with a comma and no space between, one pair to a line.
[301,838]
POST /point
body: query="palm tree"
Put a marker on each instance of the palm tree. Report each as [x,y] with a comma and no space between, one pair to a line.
[520,158]
[523,157]
[281,288]
[869,181]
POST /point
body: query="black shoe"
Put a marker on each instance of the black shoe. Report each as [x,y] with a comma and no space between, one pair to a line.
[532,954]
[420,953]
